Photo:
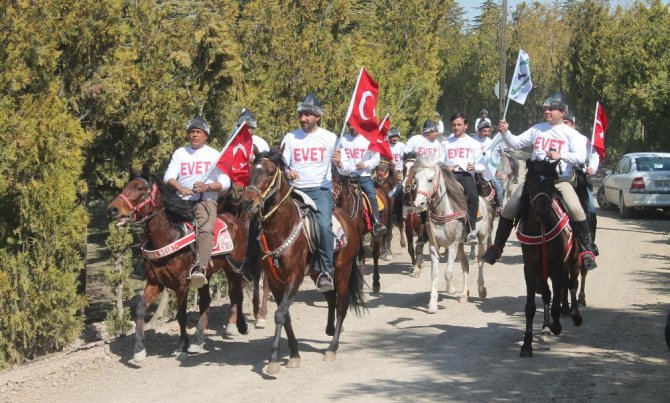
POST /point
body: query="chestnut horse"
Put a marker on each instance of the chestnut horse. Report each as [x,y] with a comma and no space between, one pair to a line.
[349,197]
[548,251]
[384,177]
[289,252]
[146,200]
[413,222]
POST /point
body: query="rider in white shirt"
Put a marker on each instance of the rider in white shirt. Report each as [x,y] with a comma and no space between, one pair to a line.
[556,141]
[427,145]
[185,175]
[360,163]
[462,154]
[308,152]
[483,136]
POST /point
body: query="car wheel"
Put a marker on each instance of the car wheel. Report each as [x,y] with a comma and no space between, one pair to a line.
[602,201]
[624,212]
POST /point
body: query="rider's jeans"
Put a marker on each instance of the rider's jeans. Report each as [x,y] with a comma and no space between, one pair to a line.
[369,188]
[323,198]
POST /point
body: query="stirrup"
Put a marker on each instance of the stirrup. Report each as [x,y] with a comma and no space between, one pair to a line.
[378,229]
[198,276]
[326,284]
[471,239]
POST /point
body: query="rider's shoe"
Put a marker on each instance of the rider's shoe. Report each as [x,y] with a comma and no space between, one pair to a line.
[378,229]
[471,239]
[324,283]
[198,277]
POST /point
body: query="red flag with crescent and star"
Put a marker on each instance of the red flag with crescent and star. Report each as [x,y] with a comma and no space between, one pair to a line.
[362,114]
[234,161]
[599,127]
[381,145]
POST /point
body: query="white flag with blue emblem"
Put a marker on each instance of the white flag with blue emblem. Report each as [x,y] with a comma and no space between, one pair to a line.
[491,156]
[521,83]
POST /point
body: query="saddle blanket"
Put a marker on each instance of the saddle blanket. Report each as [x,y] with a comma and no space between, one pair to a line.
[223,242]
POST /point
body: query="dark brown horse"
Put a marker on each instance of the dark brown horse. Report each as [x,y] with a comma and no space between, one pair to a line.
[384,177]
[147,201]
[349,197]
[289,252]
[414,223]
[548,251]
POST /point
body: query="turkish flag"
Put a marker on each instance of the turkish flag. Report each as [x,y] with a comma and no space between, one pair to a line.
[362,115]
[381,145]
[599,129]
[234,161]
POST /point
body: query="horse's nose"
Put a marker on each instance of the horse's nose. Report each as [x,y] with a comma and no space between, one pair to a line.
[419,203]
[112,213]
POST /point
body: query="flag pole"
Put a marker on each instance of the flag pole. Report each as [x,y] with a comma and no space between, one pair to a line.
[225,147]
[381,125]
[351,108]
[593,134]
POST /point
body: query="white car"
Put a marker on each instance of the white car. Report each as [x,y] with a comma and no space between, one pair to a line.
[640,180]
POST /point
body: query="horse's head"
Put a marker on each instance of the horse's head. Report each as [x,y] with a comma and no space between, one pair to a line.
[137,199]
[540,185]
[383,171]
[408,186]
[423,181]
[265,178]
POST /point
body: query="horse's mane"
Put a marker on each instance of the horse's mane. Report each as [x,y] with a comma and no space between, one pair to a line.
[412,155]
[535,170]
[275,157]
[454,189]
[177,208]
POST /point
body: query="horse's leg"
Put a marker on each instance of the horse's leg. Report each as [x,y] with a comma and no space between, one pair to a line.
[453,252]
[418,257]
[361,256]
[481,288]
[340,303]
[527,348]
[376,247]
[557,286]
[582,286]
[465,267]
[434,271]
[574,305]
[148,297]
[204,300]
[409,233]
[386,244]
[182,301]
[236,293]
[283,320]
[263,310]
[331,299]
[403,235]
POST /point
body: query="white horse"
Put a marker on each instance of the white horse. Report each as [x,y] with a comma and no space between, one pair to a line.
[435,190]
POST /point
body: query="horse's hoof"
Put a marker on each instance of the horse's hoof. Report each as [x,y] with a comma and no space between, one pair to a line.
[416,273]
[375,288]
[140,355]
[231,330]
[526,352]
[463,299]
[482,293]
[194,349]
[273,368]
[451,290]
[556,328]
[260,323]
[403,244]
[577,320]
[293,362]
[329,356]
[581,302]
[432,308]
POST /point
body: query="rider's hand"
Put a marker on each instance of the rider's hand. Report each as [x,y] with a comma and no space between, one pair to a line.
[554,155]
[184,191]
[337,158]
[471,167]
[199,187]
[292,175]
[503,126]
[360,165]
[589,171]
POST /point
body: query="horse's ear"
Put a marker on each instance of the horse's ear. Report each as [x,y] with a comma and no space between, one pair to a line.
[146,170]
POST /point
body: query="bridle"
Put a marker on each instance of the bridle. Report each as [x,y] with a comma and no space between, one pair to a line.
[148,198]
[272,188]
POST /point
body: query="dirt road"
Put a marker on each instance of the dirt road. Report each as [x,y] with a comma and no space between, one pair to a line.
[399,352]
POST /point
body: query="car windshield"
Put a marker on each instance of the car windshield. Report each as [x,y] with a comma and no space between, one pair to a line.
[653,163]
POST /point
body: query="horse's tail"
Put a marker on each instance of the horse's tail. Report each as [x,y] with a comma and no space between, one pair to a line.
[355,296]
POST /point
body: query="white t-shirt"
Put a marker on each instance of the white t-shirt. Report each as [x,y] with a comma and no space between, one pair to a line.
[260,144]
[543,137]
[188,166]
[356,150]
[310,155]
[432,150]
[397,150]
[461,151]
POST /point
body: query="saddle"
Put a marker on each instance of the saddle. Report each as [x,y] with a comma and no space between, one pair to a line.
[223,242]
[303,200]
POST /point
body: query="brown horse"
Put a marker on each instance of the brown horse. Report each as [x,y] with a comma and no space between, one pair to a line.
[384,177]
[349,197]
[414,223]
[146,200]
[289,252]
[548,251]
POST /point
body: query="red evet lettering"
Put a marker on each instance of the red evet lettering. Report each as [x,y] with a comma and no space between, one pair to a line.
[546,144]
[314,154]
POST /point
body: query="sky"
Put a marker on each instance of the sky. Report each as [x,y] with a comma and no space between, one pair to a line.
[471,7]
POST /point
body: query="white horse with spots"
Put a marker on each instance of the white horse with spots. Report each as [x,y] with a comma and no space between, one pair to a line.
[434,189]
